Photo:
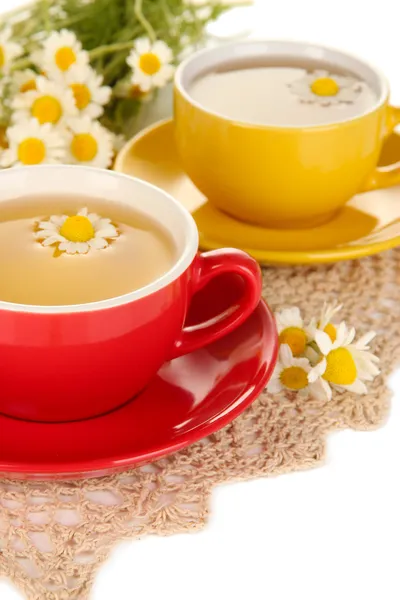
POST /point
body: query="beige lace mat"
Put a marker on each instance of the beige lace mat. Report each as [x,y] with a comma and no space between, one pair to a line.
[54,536]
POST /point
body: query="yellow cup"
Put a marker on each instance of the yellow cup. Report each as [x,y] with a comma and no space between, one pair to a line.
[280,176]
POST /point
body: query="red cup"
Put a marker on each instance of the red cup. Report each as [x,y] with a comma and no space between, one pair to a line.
[62,363]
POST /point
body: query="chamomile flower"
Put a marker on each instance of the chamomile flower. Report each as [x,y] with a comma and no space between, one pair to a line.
[89,143]
[24,81]
[49,103]
[9,50]
[89,93]
[150,63]
[324,322]
[76,234]
[321,87]
[61,50]
[297,375]
[291,330]
[346,365]
[33,144]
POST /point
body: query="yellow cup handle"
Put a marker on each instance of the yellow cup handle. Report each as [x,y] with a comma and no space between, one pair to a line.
[388,175]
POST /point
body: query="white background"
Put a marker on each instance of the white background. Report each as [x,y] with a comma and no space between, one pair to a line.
[332,533]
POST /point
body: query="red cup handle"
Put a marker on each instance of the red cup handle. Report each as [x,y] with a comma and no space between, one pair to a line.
[207,266]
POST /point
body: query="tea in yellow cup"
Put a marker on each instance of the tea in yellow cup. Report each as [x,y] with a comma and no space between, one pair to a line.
[282,134]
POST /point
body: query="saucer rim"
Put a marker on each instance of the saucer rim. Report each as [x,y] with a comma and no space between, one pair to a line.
[268,257]
[111,464]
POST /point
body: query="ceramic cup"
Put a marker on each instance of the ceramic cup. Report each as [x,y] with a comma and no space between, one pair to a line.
[60,363]
[281,176]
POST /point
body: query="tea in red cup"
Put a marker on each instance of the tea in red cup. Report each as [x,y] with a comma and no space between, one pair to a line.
[96,284]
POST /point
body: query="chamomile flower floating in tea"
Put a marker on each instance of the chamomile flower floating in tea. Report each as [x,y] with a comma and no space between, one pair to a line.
[291,330]
[89,93]
[347,365]
[32,144]
[321,87]
[150,63]
[77,234]
[89,143]
[9,50]
[322,355]
[50,102]
[297,375]
[60,52]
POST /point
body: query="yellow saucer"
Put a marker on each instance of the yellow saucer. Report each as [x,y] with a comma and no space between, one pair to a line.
[368,224]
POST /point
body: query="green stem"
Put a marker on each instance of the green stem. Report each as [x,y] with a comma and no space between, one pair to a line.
[110,49]
[21,64]
[46,16]
[143,21]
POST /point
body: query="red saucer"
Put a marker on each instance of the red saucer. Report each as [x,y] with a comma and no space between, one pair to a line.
[190,398]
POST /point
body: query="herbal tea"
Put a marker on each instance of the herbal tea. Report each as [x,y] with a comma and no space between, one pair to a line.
[54,252]
[282,94]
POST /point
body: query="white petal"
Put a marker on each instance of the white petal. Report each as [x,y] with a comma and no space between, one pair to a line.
[303,363]
[358,387]
[47,226]
[108,232]
[58,220]
[142,80]
[317,371]
[41,235]
[341,334]
[274,386]
[163,51]
[83,212]
[350,336]
[142,45]
[82,247]
[327,388]
[71,247]
[51,240]
[364,340]
[289,317]
[313,356]
[320,390]
[94,219]
[164,75]
[323,342]
[102,223]
[98,243]
[285,355]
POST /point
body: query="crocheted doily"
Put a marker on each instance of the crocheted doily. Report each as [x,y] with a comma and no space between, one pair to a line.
[53,536]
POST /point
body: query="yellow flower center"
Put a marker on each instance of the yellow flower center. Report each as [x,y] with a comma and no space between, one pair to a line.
[149,63]
[47,109]
[84,147]
[82,95]
[331,331]
[294,378]
[31,151]
[28,86]
[64,58]
[2,57]
[341,368]
[77,229]
[325,86]
[295,338]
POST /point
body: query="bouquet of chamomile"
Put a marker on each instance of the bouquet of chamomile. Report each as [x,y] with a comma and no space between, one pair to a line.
[74,73]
